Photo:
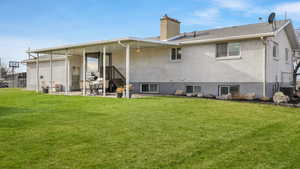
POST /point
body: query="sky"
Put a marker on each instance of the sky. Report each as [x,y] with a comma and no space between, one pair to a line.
[46,23]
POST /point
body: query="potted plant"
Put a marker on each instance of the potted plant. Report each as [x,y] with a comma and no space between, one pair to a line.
[130,90]
[45,88]
[120,92]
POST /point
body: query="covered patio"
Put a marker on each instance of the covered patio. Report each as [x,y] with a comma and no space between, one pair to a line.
[102,50]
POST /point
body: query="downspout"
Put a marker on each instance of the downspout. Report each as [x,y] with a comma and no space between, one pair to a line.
[264,41]
[122,44]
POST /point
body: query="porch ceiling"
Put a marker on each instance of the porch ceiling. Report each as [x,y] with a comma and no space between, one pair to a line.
[111,45]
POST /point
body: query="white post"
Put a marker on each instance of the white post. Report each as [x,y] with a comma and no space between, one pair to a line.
[67,73]
[104,71]
[84,72]
[51,68]
[127,69]
[37,73]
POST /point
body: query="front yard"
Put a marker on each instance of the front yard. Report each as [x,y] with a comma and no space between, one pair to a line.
[44,131]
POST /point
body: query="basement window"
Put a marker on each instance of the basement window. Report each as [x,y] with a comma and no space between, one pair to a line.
[224,90]
[149,88]
[175,54]
[193,89]
[228,50]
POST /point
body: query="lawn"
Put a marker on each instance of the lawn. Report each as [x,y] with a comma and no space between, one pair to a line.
[44,131]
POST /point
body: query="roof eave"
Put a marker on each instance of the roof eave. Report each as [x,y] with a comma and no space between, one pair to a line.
[104,42]
[250,36]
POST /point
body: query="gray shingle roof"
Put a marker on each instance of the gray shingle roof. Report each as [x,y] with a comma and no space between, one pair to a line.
[257,28]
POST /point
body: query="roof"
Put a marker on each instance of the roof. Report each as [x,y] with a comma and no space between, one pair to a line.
[250,29]
[206,36]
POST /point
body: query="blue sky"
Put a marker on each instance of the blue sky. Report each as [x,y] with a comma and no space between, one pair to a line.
[36,23]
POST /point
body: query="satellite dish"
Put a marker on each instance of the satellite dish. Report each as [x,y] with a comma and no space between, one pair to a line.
[271,18]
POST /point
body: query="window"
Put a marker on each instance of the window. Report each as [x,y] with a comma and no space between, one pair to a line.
[286,55]
[275,50]
[228,49]
[224,90]
[193,89]
[176,54]
[149,88]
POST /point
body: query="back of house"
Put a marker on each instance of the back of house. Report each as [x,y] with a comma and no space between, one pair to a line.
[255,58]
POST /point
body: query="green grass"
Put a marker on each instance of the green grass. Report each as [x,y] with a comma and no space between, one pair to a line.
[43,131]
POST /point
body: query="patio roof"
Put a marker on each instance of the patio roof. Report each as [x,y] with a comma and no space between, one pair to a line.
[110,44]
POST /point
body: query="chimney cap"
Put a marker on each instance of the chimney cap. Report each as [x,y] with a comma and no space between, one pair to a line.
[168,18]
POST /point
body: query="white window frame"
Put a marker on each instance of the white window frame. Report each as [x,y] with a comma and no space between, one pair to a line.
[275,44]
[228,57]
[194,86]
[287,55]
[176,60]
[141,89]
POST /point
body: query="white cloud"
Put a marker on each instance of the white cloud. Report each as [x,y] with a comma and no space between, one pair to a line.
[291,8]
[233,4]
[208,17]
[13,48]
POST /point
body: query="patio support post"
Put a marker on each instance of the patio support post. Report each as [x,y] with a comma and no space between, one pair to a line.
[127,69]
[104,71]
[51,73]
[67,73]
[37,72]
[84,72]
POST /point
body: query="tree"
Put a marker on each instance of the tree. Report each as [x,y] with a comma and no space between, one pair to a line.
[296,68]
[3,71]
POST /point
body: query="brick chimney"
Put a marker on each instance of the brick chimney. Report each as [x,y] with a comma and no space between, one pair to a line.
[169,27]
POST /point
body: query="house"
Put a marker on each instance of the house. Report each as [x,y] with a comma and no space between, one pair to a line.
[254,58]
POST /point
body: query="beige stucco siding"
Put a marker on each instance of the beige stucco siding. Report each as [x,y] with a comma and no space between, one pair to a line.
[278,68]
[44,70]
[198,64]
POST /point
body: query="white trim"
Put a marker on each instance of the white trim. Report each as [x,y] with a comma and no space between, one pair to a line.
[104,70]
[282,27]
[103,42]
[51,73]
[276,58]
[155,92]
[67,74]
[44,60]
[229,58]
[84,71]
[37,73]
[127,71]
[229,38]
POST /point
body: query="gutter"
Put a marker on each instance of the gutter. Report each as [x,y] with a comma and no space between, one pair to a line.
[104,42]
[282,27]
[43,60]
[250,36]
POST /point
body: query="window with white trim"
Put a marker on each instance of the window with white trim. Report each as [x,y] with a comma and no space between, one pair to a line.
[287,55]
[228,49]
[176,54]
[275,50]
[226,89]
[149,88]
[193,89]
